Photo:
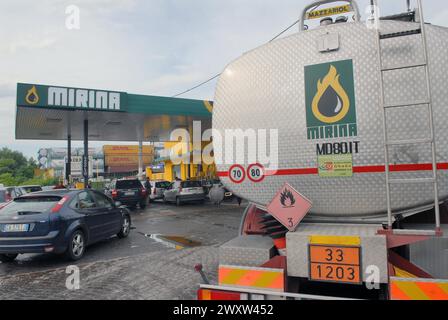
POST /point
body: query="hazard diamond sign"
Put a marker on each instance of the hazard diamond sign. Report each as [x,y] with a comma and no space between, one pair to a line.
[289,207]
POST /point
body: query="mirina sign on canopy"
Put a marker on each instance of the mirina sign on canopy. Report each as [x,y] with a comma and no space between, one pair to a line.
[62,97]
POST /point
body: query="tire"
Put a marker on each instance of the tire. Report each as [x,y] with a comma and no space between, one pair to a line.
[178,202]
[76,246]
[125,228]
[8,257]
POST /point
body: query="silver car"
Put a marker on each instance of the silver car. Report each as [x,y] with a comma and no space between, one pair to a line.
[184,191]
[158,189]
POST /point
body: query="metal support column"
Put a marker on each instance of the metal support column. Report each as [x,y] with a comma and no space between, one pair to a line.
[140,159]
[68,161]
[85,163]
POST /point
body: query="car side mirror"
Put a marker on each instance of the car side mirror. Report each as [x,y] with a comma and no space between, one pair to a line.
[117,204]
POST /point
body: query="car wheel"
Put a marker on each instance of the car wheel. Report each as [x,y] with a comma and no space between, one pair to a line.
[76,246]
[178,202]
[125,228]
[8,257]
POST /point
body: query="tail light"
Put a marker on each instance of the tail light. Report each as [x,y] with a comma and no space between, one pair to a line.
[180,188]
[207,294]
[8,197]
[114,193]
[60,204]
[280,243]
[143,191]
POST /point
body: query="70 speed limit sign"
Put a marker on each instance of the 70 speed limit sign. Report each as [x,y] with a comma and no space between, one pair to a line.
[237,173]
[256,172]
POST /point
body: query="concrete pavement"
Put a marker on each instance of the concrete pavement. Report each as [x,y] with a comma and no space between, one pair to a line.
[138,267]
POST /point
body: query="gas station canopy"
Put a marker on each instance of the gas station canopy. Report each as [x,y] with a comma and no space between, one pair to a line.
[55,113]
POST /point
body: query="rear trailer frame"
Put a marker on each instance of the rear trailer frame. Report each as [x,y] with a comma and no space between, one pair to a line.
[253,294]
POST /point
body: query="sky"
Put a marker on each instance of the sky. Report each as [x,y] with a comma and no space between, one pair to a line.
[152,47]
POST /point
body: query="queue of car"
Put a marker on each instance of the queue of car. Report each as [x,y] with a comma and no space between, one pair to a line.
[66,221]
[132,192]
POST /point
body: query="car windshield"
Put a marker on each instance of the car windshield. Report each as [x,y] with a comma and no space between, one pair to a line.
[191,184]
[23,206]
[164,184]
[128,184]
[2,196]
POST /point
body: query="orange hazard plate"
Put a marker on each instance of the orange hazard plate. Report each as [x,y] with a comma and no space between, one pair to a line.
[335,264]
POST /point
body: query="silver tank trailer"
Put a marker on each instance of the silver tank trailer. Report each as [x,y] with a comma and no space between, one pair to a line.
[288,83]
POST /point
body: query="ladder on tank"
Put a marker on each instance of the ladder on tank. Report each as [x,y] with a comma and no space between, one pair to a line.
[431,140]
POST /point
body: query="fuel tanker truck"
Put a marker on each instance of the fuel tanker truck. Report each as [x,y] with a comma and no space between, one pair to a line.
[355,207]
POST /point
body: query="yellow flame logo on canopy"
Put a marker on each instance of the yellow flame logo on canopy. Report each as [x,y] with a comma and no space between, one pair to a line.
[32,97]
[343,106]
[208,106]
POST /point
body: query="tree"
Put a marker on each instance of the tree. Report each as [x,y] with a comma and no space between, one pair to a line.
[15,168]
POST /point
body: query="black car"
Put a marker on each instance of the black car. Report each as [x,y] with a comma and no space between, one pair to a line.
[129,192]
[59,221]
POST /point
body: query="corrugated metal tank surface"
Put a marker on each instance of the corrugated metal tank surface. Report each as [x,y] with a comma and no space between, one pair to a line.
[265,89]
[431,255]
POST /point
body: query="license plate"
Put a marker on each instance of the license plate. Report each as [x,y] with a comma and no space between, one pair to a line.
[16,227]
[335,264]
[129,193]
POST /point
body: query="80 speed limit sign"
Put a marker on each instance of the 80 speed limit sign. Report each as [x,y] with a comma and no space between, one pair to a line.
[237,173]
[256,172]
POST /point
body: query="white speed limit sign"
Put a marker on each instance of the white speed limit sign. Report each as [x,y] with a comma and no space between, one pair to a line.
[256,172]
[237,174]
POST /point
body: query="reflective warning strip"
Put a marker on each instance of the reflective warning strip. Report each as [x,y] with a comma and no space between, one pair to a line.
[260,278]
[400,273]
[335,240]
[418,289]
[359,169]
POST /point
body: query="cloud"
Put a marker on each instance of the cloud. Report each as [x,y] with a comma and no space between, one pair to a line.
[29,43]
[441,18]
[7,90]
[159,47]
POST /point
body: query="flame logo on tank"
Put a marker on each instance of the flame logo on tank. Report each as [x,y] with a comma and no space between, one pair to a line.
[331,102]
[32,97]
